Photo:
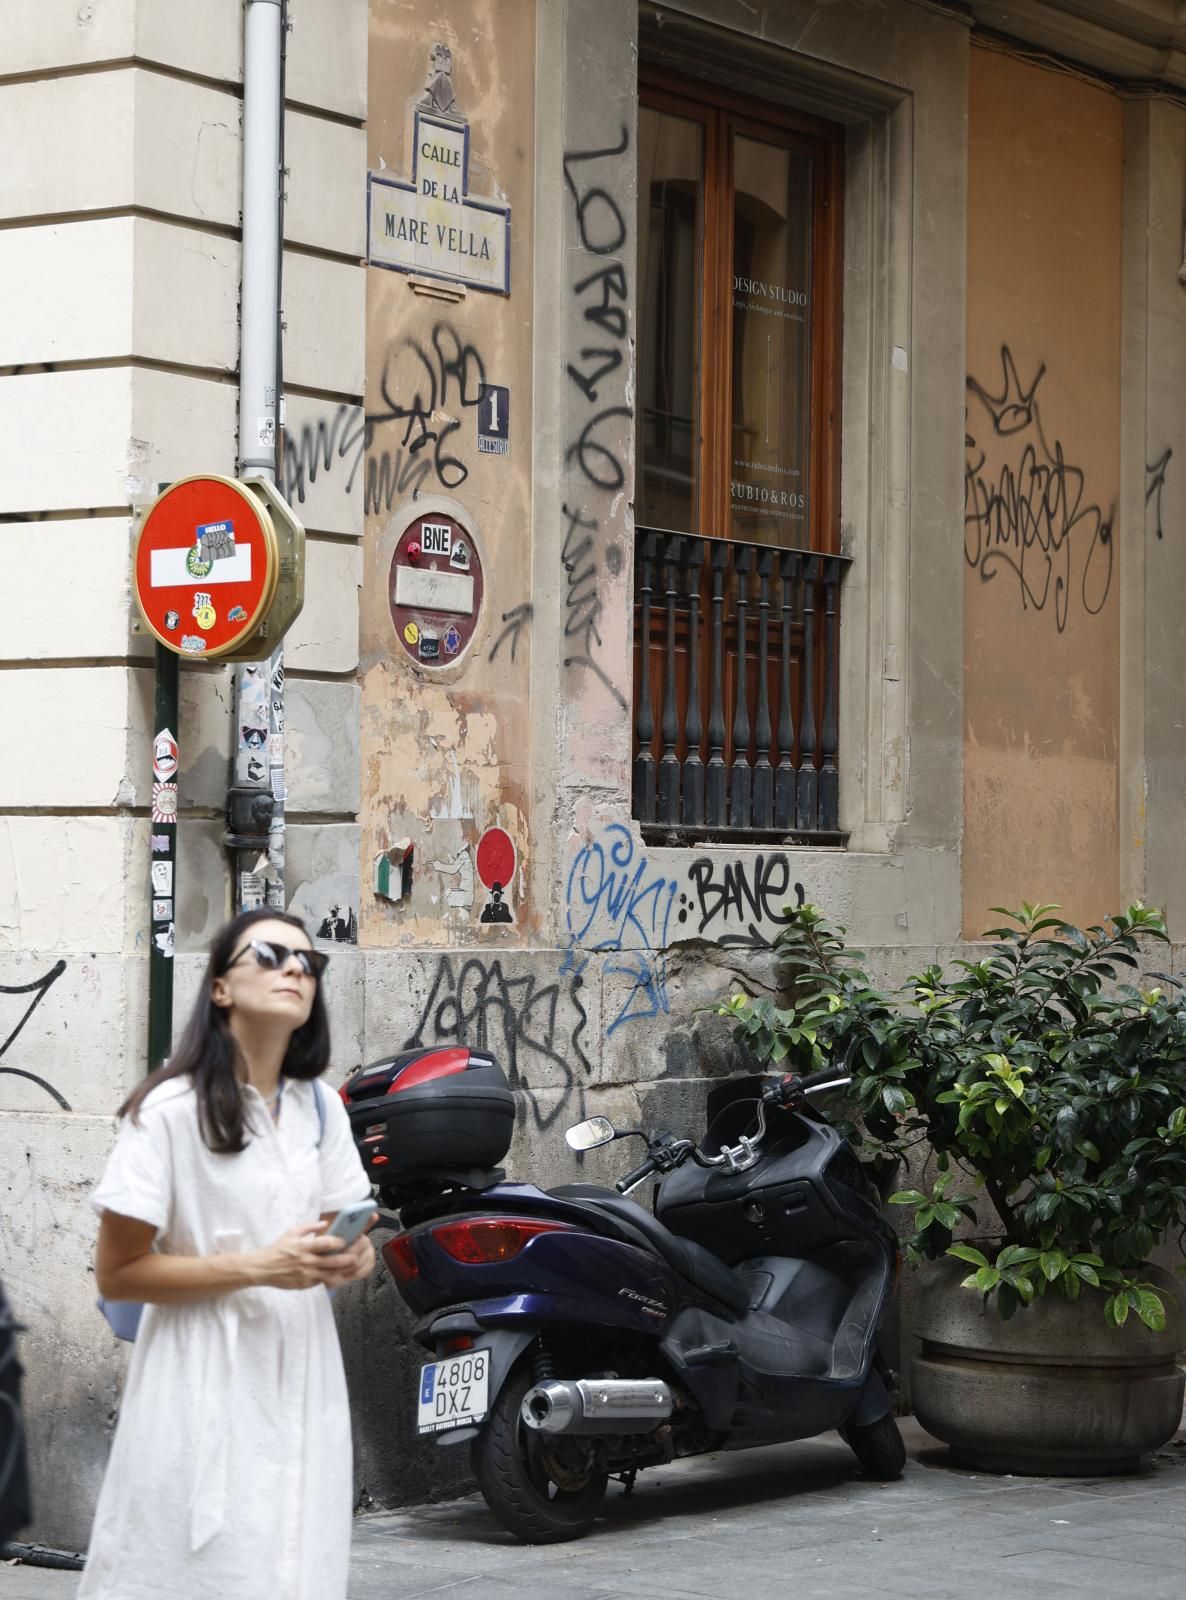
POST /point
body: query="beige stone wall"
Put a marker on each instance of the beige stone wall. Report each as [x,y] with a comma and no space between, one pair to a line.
[1042,535]
[446,753]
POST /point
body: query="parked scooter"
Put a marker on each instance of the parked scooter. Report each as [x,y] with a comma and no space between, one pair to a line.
[577,1337]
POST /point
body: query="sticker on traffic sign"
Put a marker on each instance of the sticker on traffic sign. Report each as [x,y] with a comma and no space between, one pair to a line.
[206,566]
[435,538]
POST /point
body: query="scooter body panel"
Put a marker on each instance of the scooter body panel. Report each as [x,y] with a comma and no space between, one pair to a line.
[578,1276]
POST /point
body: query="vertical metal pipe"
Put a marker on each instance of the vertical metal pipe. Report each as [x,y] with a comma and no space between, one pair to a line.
[669,762]
[693,727]
[162,871]
[264,27]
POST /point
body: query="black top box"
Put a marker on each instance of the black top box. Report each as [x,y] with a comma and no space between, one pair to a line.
[443,1107]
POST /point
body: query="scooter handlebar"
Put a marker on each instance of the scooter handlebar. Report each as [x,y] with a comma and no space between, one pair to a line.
[791,1086]
[624,1185]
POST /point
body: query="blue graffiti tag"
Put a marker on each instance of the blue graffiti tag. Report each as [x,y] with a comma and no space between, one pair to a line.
[617,902]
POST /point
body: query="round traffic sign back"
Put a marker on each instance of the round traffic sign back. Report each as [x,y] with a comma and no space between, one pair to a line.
[206,566]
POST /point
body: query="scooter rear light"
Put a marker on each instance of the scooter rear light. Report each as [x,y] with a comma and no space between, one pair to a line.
[454,1345]
[440,1064]
[400,1255]
[479,1241]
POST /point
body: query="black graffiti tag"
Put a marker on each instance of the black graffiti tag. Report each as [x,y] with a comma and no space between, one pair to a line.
[420,384]
[514,622]
[39,988]
[531,1028]
[1155,485]
[582,598]
[754,893]
[1025,507]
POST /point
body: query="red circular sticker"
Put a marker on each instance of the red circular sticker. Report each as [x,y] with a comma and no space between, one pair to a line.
[206,566]
[495,859]
[435,589]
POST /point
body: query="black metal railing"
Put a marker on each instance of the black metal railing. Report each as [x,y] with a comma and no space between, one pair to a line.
[736,662]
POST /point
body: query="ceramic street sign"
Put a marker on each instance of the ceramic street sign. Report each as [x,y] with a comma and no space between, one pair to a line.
[432,224]
[206,566]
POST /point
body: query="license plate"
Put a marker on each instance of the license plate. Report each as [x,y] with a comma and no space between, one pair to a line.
[453,1393]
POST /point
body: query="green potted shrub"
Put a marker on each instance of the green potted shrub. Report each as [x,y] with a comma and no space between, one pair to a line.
[1047,1097]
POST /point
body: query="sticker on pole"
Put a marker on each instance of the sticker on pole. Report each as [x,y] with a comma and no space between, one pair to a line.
[206,566]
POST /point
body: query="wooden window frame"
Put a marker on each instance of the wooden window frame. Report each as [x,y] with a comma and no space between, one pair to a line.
[720,114]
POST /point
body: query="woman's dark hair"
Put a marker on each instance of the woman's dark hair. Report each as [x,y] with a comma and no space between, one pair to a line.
[207,1051]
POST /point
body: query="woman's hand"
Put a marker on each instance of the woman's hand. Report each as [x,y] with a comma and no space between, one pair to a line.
[300,1258]
[355,1262]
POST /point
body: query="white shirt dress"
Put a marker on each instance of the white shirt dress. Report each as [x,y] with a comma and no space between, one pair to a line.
[231,1471]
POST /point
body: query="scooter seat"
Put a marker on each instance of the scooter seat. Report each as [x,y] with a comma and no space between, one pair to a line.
[691,1260]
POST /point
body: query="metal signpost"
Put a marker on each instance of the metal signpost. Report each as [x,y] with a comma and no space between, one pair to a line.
[214,580]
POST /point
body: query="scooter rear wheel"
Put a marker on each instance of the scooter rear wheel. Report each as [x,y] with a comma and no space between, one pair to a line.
[508,1462]
[879,1447]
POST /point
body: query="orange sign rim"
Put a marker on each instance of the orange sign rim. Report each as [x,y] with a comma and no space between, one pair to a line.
[271,553]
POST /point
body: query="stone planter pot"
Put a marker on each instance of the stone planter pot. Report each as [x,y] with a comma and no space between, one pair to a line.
[1055,1390]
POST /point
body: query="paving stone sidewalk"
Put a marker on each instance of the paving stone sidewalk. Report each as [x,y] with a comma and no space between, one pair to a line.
[791,1520]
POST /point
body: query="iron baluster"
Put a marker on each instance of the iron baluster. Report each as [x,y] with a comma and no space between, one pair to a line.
[807,803]
[693,784]
[644,760]
[784,777]
[763,800]
[740,774]
[669,762]
[829,778]
[715,774]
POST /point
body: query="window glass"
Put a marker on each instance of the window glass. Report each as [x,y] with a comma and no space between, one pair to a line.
[670,203]
[771,362]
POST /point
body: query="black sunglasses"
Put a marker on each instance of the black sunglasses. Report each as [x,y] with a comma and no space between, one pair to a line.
[273,956]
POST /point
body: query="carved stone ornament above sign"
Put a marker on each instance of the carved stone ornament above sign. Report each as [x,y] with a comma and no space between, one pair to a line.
[432,225]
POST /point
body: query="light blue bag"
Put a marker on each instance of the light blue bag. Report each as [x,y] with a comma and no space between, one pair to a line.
[123,1316]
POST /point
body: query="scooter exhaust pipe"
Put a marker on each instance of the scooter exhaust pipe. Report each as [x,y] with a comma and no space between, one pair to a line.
[597,1405]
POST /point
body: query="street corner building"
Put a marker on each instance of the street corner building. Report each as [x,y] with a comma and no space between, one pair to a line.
[742,459]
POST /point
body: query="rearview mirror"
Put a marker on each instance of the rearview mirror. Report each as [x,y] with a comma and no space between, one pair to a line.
[588,1135]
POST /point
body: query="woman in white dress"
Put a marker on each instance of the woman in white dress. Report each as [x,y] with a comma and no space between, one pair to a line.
[231,1471]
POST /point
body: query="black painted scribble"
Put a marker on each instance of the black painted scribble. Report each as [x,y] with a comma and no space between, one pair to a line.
[404,445]
[755,893]
[599,363]
[514,621]
[596,208]
[534,1030]
[1155,484]
[1025,507]
[582,599]
[39,988]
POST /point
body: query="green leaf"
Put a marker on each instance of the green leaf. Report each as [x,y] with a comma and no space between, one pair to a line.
[907,1197]
[967,1252]
[1151,1310]
[1016,1255]
[1053,1263]
[986,1280]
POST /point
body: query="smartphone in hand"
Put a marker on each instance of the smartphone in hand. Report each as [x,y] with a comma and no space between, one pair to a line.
[350,1222]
